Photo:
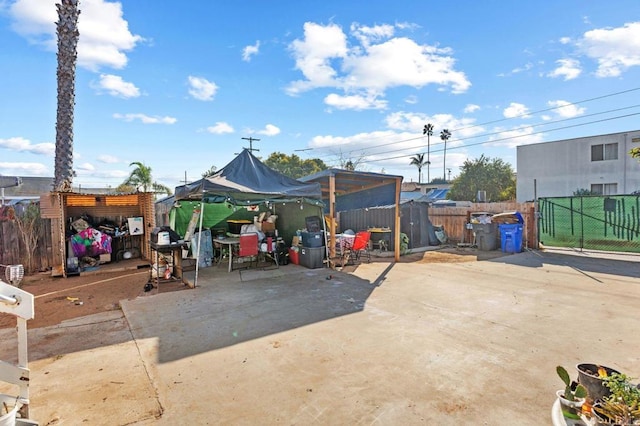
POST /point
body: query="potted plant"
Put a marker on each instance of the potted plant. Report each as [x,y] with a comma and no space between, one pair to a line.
[571,398]
[591,376]
[622,406]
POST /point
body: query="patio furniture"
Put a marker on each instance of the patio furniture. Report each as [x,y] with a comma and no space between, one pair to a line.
[247,249]
[360,246]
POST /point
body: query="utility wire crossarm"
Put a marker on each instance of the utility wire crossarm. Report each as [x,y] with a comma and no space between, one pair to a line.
[251,141]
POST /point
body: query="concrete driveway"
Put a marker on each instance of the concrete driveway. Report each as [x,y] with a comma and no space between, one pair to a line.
[472,343]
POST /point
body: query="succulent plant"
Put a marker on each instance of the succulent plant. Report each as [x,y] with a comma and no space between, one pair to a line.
[573,391]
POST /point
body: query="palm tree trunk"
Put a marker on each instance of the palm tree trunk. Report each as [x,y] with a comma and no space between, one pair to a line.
[67,30]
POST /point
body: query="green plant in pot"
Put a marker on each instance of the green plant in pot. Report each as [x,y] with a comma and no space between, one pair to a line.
[622,406]
[571,397]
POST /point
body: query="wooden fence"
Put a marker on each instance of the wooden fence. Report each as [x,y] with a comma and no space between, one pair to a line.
[13,251]
[454,220]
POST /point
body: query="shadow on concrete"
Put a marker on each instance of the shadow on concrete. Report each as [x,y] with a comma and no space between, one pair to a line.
[626,265]
[230,308]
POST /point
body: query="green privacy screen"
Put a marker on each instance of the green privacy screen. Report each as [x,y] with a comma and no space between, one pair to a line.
[610,223]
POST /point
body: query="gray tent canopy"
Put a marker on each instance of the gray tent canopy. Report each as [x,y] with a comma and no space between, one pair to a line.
[246,180]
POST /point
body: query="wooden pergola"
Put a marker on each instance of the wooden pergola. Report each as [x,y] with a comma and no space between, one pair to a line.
[338,182]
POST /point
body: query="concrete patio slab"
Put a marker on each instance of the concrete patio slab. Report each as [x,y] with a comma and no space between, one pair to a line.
[472,343]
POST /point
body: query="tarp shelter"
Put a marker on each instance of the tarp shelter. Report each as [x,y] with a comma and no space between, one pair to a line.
[245,187]
[344,190]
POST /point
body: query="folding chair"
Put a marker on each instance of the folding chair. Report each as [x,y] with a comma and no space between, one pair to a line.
[359,246]
[247,248]
[269,252]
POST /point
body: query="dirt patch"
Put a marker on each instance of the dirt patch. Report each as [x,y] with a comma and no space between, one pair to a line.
[456,255]
[58,299]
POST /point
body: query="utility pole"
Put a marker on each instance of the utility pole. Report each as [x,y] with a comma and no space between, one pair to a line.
[251,140]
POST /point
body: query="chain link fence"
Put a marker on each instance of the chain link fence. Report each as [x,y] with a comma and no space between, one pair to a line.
[607,223]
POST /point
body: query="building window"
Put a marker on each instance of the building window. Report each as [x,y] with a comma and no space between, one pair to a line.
[607,151]
[604,188]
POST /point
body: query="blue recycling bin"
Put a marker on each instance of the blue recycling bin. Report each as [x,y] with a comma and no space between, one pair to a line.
[511,237]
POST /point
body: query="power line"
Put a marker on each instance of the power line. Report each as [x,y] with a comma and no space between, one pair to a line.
[507,119]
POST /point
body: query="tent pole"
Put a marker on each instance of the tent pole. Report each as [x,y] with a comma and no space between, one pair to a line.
[195,283]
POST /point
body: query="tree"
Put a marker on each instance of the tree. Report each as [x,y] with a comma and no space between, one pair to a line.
[67,29]
[583,191]
[428,130]
[29,224]
[445,135]
[210,172]
[418,161]
[635,153]
[293,166]
[494,176]
[141,177]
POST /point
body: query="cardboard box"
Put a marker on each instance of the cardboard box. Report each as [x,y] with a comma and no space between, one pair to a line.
[268,227]
[105,258]
[135,226]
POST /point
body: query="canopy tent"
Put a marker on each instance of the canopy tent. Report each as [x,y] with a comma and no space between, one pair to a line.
[246,184]
[246,180]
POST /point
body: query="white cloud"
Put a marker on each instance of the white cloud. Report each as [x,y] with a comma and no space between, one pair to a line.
[471,108]
[220,128]
[145,119]
[24,145]
[526,67]
[516,110]
[567,68]
[116,86]
[355,102]
[411,99]
[566,110]
[108,159]
[565,40]
[24,169]
[104,33]
[202,89]
[85,167]
[249,51]
[269,130]
[367,35]
[414,123]
[374,61]
[510,138]
[615,49]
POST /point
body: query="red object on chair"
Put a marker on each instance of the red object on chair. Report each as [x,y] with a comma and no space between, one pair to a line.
[248,246]
[360,245]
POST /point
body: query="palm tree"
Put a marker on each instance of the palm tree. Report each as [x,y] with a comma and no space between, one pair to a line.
[418,161]
[445,135]
[141,177]
[428,130]
[67,29]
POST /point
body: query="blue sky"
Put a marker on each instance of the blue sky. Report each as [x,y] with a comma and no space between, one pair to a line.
[177,85]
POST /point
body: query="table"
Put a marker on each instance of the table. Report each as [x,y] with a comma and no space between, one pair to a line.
[380,237]
[176,261]
[230,243]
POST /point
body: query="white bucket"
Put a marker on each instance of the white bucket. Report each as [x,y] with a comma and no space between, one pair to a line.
[8,419]
[164,238]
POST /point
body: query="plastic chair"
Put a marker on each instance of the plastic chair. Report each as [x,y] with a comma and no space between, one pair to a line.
[248,248]
[357,248]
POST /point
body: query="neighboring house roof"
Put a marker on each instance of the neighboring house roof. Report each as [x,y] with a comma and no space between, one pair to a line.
[30,186]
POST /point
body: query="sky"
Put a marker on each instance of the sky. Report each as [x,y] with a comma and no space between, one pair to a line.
[181,86]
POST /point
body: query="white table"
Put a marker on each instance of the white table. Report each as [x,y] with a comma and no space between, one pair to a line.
[230,243]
